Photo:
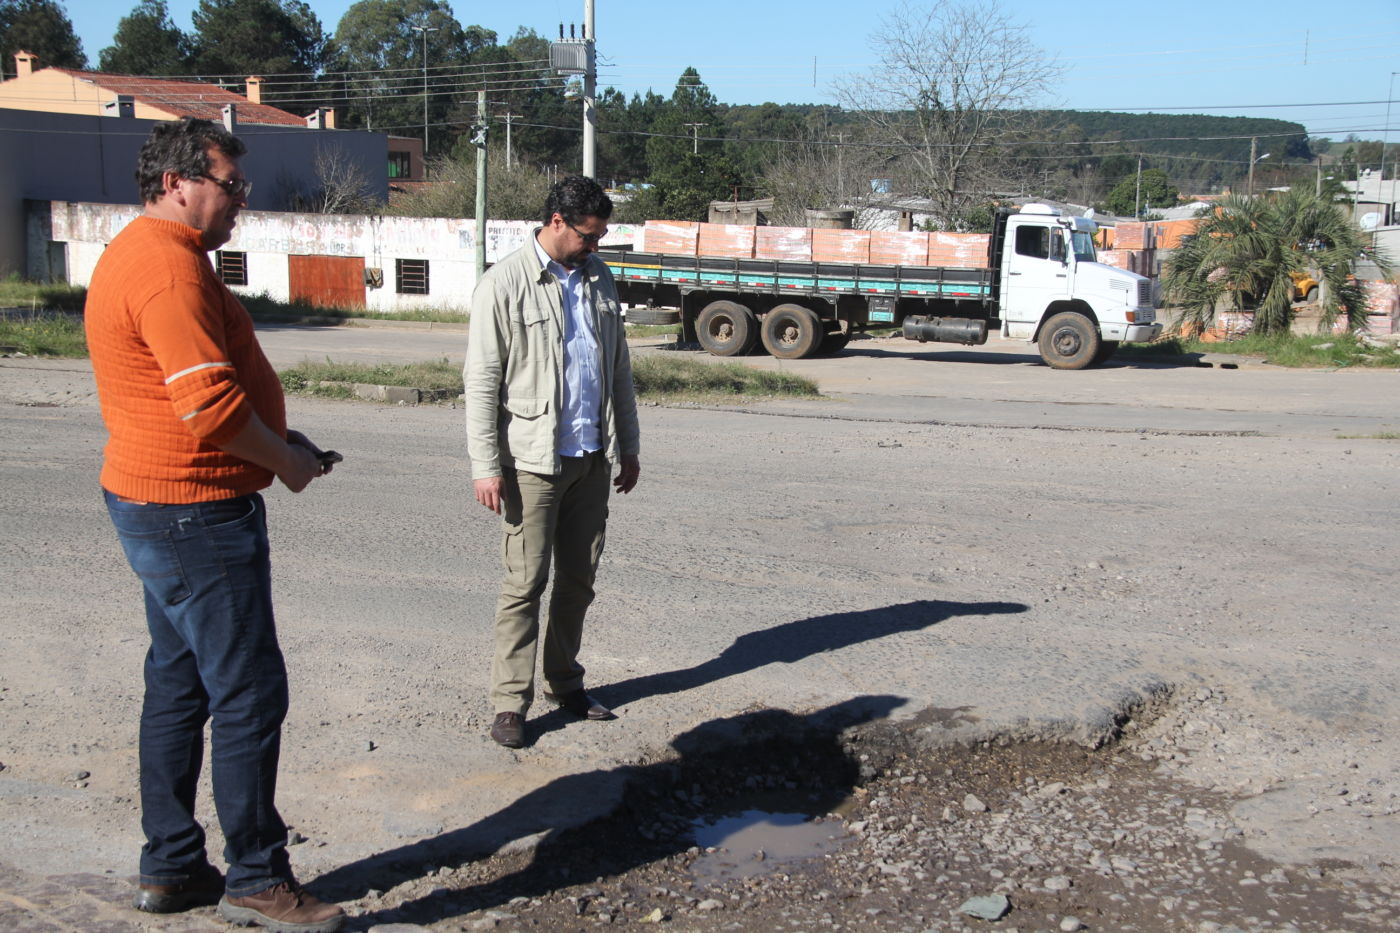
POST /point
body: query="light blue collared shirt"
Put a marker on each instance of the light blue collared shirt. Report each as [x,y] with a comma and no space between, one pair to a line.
[579,431]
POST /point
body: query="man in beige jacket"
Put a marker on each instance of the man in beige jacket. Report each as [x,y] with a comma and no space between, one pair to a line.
[550,404]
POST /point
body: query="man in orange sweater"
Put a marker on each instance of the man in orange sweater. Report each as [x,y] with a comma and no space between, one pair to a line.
[197,426]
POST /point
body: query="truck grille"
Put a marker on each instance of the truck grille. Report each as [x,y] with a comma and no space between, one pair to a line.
[1144,294]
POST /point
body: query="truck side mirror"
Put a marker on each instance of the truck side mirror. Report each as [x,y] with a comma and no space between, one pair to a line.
[1057,248]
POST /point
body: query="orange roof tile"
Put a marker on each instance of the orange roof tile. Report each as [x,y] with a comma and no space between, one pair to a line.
[187,98]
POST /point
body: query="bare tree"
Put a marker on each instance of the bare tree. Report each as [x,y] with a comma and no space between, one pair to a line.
[954,79]
[345,186]
[821,176]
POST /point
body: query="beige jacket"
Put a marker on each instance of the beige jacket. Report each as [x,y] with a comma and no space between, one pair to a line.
[515,366]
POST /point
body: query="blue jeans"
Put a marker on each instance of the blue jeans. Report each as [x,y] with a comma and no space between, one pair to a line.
[213,655]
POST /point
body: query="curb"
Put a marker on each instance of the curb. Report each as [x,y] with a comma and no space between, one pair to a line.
[395,395]
[401,325]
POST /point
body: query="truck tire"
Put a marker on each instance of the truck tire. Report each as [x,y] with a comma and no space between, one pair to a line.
[1069,340]
[792,332]
[652,316]
[726,328]
[1311,296]
[1106,350]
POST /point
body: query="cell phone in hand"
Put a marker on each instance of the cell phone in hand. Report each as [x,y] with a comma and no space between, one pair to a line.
[330,457]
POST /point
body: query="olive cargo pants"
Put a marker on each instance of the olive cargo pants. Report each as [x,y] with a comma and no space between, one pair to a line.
[560,519]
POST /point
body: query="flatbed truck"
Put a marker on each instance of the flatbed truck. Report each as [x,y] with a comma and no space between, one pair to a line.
[1042,283]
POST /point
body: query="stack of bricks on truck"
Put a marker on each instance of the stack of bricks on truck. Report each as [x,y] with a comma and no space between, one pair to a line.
[802,291]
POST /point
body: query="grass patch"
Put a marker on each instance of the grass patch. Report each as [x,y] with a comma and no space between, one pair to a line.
[330,379]
[44,333]
[657,377]
[654,330]
[16,292]
[667,378]
[270,311]
[1301,351]
[1378,436]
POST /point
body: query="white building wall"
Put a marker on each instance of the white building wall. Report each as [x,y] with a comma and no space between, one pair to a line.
[269,237]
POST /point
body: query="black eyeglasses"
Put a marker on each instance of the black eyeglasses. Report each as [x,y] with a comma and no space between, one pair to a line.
[233,187]
[591,239]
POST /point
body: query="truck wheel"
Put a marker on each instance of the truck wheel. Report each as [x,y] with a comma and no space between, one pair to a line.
[792,332]
[726,328]
[651,316]
[1069,340]
[1106,350]
[1311,296]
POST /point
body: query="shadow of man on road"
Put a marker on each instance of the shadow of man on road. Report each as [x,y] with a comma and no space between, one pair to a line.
[787,643]
[724,757]
[795,641]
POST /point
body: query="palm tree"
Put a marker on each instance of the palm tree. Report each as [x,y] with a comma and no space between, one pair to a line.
[1247,250]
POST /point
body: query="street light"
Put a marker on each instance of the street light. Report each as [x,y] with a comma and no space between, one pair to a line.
[424,30]
[1254,162]
[1385,144]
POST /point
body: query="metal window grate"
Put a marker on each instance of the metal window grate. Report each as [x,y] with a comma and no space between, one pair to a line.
[412,276]
[232,267]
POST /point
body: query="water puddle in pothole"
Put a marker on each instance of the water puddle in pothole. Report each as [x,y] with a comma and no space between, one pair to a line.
[756,842]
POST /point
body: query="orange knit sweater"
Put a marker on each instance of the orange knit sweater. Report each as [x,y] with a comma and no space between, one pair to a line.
[178,369]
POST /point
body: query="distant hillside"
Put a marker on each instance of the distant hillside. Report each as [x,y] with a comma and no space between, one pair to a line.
[1189,147]
[1198,151]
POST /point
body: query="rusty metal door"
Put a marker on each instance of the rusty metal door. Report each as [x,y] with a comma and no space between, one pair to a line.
[327,281]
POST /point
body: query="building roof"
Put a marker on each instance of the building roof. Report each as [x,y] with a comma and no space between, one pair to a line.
[186,98]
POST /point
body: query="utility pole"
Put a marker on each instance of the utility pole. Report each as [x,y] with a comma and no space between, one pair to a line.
[840,168]
[1137,192]
[423,31]
[695,132]
[480,140]
[509,117]
[590,89]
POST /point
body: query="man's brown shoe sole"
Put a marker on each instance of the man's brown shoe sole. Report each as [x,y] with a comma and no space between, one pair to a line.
[250,916]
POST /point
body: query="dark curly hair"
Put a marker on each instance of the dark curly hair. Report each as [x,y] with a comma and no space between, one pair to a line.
[181,147]
[576,197]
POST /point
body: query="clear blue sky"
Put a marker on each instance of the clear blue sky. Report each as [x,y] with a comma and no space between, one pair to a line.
[1326,65]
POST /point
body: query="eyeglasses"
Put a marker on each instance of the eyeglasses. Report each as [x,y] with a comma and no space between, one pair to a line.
[590,238]
[233,187]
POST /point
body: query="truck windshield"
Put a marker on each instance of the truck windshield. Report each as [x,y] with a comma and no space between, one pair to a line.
[1083,243]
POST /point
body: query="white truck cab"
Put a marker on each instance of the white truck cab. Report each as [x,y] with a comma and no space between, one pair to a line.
[1056,293]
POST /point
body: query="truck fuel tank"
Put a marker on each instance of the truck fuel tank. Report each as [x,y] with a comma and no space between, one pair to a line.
[945,330]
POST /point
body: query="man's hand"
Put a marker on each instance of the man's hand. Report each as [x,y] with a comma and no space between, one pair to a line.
[631,469]
[300,468]
[488,492]
[292,459]
[301,440]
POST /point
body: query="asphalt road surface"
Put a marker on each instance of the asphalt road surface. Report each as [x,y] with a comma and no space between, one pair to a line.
[947,530]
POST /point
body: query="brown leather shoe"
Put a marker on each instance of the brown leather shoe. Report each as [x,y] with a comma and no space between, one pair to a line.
[509,730]
[581,705]
[203,888]
[283,908]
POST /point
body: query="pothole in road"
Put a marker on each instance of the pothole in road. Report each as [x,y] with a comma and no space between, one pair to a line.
[891,833]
